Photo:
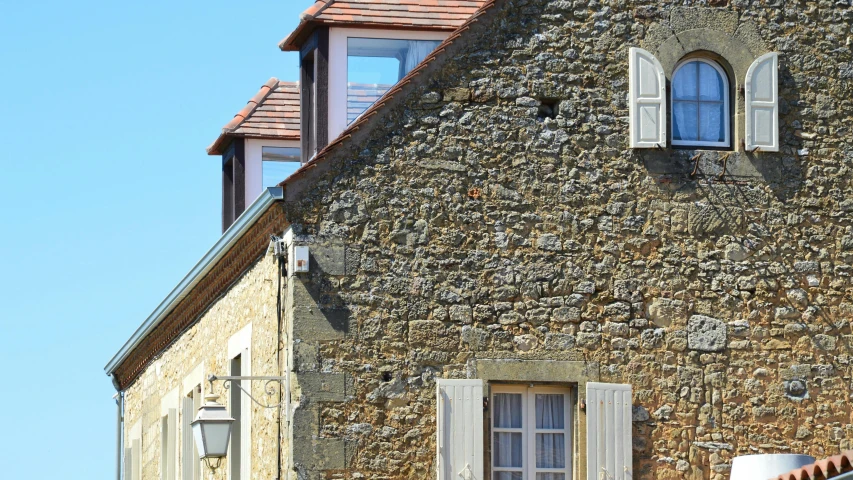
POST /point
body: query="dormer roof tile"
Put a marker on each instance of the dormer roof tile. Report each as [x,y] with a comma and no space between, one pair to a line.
[399,14]
[272,113]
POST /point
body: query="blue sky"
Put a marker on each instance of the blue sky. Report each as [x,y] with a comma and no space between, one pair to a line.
[108,195]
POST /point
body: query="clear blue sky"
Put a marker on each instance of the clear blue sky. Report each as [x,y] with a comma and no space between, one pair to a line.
[108,196]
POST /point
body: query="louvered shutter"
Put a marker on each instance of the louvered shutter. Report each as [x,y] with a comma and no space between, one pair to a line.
[762,104]
[460,430]
[171,447]
[647,100]
[187,454]
[128,464]
[137,460]
[608,431]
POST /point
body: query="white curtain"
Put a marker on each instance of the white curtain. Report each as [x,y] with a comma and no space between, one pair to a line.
[416,52]
[508,445]
[550,447]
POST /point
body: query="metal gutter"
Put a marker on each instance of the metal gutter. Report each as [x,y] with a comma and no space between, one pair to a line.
[228,239]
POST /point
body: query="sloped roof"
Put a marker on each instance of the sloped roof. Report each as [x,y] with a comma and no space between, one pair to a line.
[272,113]
[406,14]
[822,470]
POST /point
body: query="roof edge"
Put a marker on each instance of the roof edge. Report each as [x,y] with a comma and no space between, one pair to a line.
[208,261]
[266,89]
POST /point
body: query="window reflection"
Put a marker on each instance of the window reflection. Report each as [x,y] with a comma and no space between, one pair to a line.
[279,163]
[374,65]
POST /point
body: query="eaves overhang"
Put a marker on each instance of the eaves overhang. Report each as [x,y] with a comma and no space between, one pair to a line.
[202,268]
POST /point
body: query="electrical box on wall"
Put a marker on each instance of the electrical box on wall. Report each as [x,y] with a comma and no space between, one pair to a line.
[299,259]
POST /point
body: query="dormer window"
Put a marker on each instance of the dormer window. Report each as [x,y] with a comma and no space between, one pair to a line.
[374,65]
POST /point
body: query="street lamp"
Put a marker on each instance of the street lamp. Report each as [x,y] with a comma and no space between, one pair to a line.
[212,431]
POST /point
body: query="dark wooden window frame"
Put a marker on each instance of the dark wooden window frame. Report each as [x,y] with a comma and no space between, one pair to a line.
[314,93]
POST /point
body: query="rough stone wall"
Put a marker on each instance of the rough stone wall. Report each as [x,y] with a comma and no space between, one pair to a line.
[498,213]
[253,299]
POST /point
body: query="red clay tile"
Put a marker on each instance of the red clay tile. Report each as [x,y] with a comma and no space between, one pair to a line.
[272,113]
[406,14]
[822,470]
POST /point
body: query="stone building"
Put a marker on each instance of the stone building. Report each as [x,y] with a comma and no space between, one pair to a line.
[575,240]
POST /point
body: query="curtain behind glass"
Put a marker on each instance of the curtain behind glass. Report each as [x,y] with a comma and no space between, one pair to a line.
[508,445]
[416,53]
[550,447]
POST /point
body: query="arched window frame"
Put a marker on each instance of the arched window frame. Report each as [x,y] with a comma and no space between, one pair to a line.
[727,106]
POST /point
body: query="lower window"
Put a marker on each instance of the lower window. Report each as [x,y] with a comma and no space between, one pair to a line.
[531,433]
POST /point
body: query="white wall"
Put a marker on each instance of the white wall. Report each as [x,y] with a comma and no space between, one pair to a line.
[254,164]
[338,66]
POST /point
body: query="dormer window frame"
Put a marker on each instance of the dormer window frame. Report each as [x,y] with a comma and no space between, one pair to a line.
[314,93]
[338,68]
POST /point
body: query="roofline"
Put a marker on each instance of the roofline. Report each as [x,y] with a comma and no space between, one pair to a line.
[218,147]
[243,114]
[306,27]
[220,248]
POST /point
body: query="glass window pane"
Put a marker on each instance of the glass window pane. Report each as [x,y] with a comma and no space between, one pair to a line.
[374,65]
[507,410]
[550,450]
[711,122]
[550,411]
[684,85]
[508,450]
[550,476]
[684,121]
[710,83]
[278,164]
[508,476]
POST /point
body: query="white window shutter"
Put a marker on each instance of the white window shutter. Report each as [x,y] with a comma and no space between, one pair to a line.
[608,431]
[187,454]
[762,104]
[460,430]
[136,456]
[171,445]
[647,100]
[128,464]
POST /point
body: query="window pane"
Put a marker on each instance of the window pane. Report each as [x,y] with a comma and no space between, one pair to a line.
[374,65]
[710,83]
[508,476]
[550,450]
[507,451]
[278,164]
[550,476]
[684,121]
[711,122]
[507,410]
[550,412]
[684,83]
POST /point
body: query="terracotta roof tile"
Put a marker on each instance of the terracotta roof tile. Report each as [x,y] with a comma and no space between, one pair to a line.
[272,113]
[410,14]
[825,469]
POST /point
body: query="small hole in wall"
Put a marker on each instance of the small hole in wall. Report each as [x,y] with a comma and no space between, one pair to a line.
[548,108]
[386,377]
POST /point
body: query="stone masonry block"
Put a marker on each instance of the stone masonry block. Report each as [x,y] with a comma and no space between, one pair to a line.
[328,259]
[323,387]
[706,334]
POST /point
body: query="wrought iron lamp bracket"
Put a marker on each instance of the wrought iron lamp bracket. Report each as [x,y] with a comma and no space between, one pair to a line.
[269,389]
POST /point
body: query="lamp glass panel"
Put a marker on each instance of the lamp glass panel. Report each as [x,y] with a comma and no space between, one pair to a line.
[199,440]
[216,436]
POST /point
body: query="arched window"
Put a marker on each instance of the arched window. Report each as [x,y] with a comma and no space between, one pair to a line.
[700,105]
